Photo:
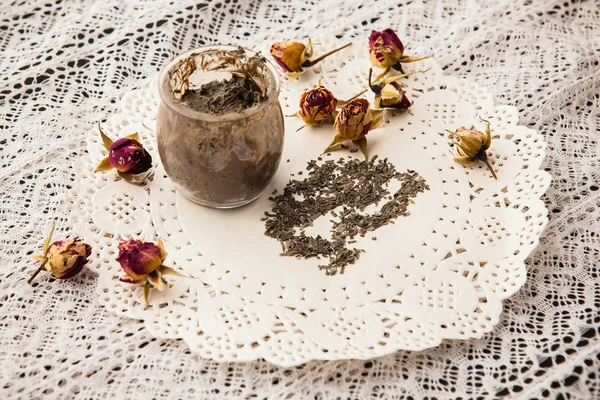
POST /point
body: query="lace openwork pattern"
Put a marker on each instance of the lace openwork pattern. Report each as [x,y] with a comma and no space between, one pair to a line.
[65,66]
[440,273]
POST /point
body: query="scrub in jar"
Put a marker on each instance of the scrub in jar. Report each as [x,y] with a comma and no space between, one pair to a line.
[220,127]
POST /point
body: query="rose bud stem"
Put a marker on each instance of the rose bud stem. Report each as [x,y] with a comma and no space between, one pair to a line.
[381,75]
[376,88]
[310,63]
[342,103]
[483,157]
[491,169]
[356,95]
[36,273]
[398,67]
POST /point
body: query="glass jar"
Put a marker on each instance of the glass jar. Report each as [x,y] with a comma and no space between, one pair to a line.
[220,159]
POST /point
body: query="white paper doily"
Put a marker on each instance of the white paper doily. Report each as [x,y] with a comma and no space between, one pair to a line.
[439,273]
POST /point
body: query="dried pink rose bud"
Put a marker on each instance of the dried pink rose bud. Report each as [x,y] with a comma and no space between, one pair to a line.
[293,57]
[385,48]
[139,259]
[127,156]
[142,263]
[317,105]
[387,51]
[62,258]
[353,122]
[471,145]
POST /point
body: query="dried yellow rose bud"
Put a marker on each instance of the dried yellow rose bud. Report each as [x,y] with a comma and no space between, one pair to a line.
[471,145]
[293,57]
[62,258]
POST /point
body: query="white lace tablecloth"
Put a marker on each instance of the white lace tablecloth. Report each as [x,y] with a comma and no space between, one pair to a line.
[64,65]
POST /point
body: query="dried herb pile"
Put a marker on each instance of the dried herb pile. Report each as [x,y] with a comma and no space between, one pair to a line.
[350,184]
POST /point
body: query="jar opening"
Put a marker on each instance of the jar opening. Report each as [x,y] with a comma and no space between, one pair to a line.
[219,81]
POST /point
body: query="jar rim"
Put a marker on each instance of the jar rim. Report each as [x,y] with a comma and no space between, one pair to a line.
[167,99]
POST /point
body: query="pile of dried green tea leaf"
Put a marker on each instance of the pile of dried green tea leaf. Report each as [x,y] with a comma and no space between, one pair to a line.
[350,186]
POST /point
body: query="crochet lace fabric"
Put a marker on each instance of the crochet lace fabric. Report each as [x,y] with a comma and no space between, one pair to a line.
[65,65]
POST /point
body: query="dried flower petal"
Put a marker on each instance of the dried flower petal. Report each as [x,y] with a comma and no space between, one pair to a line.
[392,96]
[387,51]
[389,93]
[66,258]
[290,55]
[354,120]
[469,142]
[131,281]
[129,156]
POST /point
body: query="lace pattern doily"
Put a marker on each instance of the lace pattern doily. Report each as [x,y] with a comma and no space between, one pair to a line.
[461,251]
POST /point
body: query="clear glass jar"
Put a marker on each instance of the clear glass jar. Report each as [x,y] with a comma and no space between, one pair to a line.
[219,161]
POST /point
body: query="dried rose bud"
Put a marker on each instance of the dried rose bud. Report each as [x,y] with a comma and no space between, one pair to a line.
[317,105]
[387,51]
[385,48]
[127,156]
[139,259]
[354,120]
[293,57]
[389,93]
[66,258]
[142,263]
[471,145]
[353,123]
[62,258]
[392,96]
